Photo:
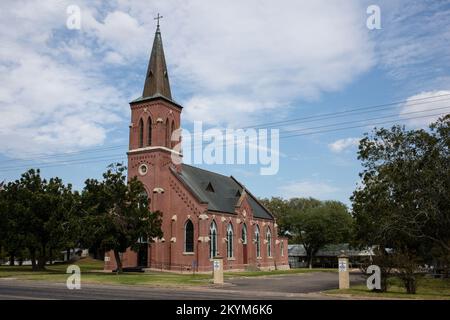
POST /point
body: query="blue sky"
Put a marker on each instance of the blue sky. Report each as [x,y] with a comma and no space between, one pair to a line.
[230,64]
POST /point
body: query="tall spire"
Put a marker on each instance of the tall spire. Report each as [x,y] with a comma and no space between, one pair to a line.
[157,78]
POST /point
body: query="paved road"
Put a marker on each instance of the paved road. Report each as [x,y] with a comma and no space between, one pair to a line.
[302,286]
[300,283]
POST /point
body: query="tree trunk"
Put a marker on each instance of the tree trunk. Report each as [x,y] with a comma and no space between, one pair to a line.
[384,282]
[410,285]
[33,259]
[118,261]
[42,259]
[11,259]
[310,260]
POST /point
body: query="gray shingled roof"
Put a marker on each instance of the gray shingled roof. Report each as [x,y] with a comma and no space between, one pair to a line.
[226,191]
[332,250]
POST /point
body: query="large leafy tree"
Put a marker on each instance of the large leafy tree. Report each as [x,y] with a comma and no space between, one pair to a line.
[320,225]
[49,207]
[284,210]
[281,210]
[404,200]
[37,216]
[13,219]
[117,214]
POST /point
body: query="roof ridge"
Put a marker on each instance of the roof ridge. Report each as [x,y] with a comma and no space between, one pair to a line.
[218,174]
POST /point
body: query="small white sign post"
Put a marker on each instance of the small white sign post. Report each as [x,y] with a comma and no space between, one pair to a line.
[344,273]
[218,270]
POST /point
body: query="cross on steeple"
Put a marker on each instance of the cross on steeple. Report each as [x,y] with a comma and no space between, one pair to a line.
[157,18]
[157,80]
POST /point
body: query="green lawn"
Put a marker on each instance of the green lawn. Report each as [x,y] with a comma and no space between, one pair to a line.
[90,270]
[428,289]
[274,272]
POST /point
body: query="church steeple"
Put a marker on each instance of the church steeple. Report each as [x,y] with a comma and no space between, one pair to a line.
[157,78]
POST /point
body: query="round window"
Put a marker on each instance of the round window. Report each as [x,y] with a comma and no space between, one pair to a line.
[143,169]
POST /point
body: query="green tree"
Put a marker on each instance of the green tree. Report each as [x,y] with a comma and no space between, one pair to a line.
[49,206]
[284,211]
[281,210]
[403,202]
[14,220]
[36,215]
[318,226]
[117,215]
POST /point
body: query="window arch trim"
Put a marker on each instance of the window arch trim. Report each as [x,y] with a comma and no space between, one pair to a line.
[188,236]
[269,242]
[230,242]
[141,133]
[213,234]
[149,131]
[257,242]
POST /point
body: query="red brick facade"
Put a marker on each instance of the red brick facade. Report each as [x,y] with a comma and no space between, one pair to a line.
[149,158]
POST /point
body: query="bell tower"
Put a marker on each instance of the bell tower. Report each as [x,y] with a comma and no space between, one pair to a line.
[154,117]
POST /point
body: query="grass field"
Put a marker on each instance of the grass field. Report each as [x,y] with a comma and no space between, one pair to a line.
[91,273]
[428,288]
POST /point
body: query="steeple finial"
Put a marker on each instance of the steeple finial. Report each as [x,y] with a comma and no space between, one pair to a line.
[157,18]
[157,79]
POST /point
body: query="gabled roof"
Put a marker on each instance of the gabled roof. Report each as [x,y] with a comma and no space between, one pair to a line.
[225,195]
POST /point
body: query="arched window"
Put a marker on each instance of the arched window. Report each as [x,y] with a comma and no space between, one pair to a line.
[167,133]
[144,201]
[258,242]
[149,131]
[244,234]
[141,133]
[213,240]
[189,236]
[229,241]
[172,129]
[269,242]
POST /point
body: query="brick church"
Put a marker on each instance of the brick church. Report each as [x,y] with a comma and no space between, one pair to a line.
[205,214]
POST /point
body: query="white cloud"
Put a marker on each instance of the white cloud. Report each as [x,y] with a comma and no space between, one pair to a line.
[119,31]
[233,58]
[319,190]
[342,144]
[231,62]
[413,43]
[424,104]
[52,99]
[114,58]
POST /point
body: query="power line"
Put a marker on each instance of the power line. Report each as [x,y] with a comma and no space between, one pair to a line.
[339,124]
[326,116]
[364,125]
[362,112]
[370,119]
[90,160]
[65,162]
[357,109]
[43,156]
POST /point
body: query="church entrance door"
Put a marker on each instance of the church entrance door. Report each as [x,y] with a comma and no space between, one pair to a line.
[244,251]
[142,255]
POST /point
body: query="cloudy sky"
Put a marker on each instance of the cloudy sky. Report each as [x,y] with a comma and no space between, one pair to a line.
[64,92]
